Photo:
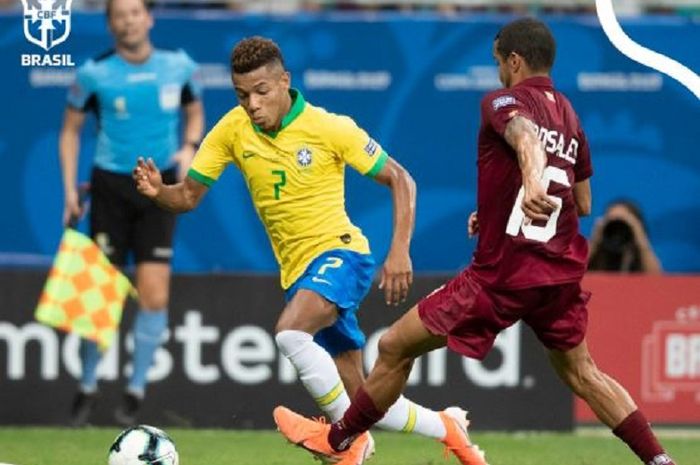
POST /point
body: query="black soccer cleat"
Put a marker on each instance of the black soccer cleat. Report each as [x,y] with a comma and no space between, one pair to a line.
[126,413]
[81,409]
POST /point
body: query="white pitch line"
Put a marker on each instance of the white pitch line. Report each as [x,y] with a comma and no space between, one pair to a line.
[634,51]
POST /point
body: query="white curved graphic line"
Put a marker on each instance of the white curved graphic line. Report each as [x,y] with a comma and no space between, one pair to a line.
[650,58]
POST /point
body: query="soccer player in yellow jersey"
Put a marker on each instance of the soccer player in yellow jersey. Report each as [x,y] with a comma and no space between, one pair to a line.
[293,155]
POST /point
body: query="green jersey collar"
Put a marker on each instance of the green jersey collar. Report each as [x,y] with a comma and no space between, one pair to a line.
[298,104]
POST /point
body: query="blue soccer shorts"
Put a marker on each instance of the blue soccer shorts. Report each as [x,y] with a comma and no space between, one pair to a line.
[343,277]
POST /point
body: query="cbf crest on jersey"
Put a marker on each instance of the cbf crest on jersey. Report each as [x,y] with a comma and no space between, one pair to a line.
[46,22]
[304,157]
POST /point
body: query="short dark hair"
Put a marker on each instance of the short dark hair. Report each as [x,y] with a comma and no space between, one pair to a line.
[531,39]
[253,52]
[148,4]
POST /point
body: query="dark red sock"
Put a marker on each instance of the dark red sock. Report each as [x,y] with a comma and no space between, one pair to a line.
[358,418]
[636,432]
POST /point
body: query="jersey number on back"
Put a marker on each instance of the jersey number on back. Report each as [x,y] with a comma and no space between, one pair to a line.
[516,221]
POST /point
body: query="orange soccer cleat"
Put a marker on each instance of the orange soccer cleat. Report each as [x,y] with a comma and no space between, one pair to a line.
[457,440]
[312,435]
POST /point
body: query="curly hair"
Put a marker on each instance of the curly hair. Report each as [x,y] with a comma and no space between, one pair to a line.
[253,52]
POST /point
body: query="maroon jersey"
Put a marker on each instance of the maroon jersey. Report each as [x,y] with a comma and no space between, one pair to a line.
[512,253]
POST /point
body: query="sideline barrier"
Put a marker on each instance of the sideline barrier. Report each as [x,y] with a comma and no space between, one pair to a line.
[221,368]
[645,332]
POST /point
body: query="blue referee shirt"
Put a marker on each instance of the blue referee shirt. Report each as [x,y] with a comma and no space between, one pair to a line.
[137,105]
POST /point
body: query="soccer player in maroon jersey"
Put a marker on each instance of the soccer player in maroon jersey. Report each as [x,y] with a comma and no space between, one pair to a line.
[533,182]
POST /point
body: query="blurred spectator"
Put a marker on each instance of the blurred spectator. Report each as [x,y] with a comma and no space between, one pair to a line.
[10,5]
[448,8]
[620,241]
[271,6]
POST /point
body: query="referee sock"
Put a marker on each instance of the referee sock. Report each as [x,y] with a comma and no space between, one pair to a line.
[89,359]
[148,329]
[407,417]
[317,371]
[636,432]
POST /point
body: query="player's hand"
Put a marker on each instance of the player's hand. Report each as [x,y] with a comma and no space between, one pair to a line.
[183,159]
[72,209]
[473,225]
[537,205]
[147,177]
[397,277]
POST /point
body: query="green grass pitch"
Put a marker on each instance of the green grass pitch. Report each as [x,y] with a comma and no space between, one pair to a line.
[62,446]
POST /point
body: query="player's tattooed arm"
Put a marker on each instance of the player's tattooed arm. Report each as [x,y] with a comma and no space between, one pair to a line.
[521,135]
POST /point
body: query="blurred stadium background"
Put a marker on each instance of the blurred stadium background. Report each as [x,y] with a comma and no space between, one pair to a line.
[412,73]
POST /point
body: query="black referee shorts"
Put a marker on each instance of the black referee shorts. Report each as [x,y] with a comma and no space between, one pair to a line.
[123,221]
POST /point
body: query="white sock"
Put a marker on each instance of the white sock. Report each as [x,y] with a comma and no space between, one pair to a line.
[408,417]
[316,370]
[320,377]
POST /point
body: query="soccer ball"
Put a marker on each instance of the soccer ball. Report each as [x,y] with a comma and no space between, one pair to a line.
[143,445]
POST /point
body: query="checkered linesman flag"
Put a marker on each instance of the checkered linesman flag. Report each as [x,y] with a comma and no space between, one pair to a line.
[84,293]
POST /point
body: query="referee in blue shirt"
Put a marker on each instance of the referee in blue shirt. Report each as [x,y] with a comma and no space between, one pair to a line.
[137,93]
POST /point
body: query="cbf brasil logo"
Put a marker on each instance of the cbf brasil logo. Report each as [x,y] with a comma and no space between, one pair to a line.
[304,157]
[47,24]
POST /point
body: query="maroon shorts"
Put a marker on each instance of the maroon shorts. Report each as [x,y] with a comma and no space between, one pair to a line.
[471,316]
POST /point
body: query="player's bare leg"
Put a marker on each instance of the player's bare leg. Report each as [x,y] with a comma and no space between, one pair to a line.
[398,347]
[404,415]
[307,311]
[405,340]
[150,324]
[302,318]
[350,367]
[610,402]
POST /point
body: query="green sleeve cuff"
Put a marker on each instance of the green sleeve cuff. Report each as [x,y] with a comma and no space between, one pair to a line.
[378,165]
[200,178]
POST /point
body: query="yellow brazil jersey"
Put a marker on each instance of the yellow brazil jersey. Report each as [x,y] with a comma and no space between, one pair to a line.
[296,178]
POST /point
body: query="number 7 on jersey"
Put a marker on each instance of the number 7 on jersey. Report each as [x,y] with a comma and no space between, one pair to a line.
[279,184]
